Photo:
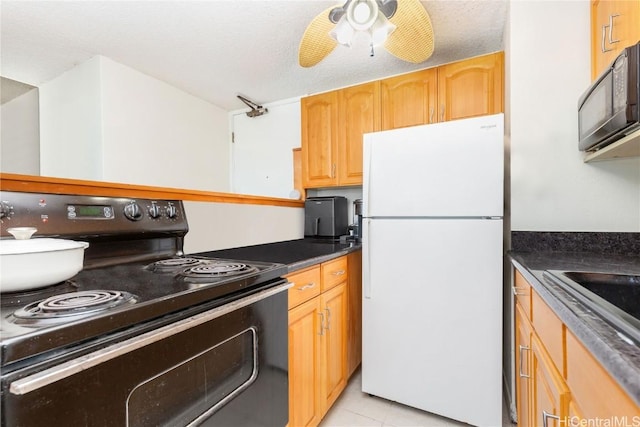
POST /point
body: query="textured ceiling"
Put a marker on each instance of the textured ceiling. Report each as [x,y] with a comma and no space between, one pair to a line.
[217,49]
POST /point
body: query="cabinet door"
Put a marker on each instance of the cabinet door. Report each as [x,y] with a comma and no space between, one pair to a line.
[598,395]
[319,133]
[549,393]
[304,364]
[333,304]
[615,24]
[470,88]
[408,99]
[523,366]
[359,113]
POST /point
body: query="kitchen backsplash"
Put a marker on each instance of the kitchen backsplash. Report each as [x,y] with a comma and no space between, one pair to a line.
[598,242]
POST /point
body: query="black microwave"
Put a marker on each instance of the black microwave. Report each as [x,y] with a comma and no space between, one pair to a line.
[608,110]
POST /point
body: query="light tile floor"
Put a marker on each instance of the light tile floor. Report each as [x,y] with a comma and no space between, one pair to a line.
[355,409]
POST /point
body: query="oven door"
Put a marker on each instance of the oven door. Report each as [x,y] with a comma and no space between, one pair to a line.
[225,366]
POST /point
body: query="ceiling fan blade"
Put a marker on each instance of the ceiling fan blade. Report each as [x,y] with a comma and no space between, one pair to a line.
[316,43]
[412,40]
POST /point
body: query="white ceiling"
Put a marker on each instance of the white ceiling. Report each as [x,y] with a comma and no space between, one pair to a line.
[217,49]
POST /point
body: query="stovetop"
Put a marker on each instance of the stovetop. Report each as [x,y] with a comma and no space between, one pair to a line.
[133,295]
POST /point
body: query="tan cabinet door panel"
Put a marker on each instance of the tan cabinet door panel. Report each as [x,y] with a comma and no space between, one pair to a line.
[470,88]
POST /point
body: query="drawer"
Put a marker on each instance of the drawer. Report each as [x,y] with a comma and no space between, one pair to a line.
[550,329]
[597,394]
[522,291]
[333,273]
[306,285]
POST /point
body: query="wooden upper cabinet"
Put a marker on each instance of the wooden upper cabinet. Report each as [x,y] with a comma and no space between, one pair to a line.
[319,114]
[333,122]
[409,99]
[358,114]
[469,88]
[615,25]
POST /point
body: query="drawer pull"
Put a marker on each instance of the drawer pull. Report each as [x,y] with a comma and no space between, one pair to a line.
[307,286]
[522,347]
[338,273]
[516,293]
[546,416]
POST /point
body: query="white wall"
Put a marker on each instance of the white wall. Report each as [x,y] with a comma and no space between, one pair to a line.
[107,122]
[156,134]
[262,157]
[71,124]
[551,188]
[215,226]
[20,137]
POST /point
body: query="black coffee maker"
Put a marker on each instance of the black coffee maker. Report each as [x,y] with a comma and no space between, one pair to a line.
[356,226]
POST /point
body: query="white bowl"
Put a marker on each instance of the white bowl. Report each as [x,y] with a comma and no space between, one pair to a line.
[34,263]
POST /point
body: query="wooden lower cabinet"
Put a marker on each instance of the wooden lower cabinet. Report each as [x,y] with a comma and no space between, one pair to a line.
[321,338]
[304,364]
[333,362]
[558,381]
[549,393]
[523,366]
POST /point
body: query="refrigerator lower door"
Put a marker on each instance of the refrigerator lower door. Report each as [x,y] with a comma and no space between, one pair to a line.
[432,315]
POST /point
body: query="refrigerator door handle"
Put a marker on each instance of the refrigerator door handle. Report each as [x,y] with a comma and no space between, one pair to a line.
[366,259]
[368,172]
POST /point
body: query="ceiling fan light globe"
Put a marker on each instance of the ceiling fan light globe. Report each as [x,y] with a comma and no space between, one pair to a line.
[342,33]
[362,14]
[380,30]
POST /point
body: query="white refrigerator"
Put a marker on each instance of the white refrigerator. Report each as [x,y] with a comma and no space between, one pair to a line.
[432,268]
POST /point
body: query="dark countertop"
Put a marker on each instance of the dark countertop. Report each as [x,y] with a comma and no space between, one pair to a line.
[296,254]
[621,358]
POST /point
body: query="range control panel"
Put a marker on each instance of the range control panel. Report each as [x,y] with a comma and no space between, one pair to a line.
[70,215]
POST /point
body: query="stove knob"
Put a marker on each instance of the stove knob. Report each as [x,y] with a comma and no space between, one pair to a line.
[133,212]
[154,211]
[172,212]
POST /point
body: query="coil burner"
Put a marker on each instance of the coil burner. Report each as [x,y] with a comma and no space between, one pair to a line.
[218,270]
[70,306]
[172,264]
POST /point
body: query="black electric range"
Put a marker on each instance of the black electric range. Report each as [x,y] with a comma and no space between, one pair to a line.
[136,281]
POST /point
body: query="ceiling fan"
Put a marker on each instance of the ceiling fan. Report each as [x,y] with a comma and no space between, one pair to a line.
[403,27]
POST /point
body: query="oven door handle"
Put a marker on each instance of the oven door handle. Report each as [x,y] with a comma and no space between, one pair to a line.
[56,373]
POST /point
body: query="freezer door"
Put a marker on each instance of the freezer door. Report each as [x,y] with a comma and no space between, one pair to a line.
[445,169]
[432,316]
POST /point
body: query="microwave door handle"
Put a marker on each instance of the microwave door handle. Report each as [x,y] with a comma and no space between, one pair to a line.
[604,38]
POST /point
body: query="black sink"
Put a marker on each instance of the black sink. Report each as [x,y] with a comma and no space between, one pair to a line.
[615,297]
[621,290]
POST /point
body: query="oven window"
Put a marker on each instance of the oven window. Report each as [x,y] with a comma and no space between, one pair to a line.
[197,387]
[597,109]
